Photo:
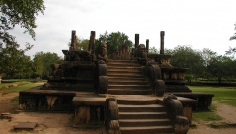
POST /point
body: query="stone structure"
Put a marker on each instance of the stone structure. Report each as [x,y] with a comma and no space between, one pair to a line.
[174,78]
[102,51]
[122,53]
[110,90]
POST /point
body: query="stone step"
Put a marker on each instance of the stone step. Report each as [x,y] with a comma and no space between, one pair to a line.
[135,87]
[111,78]
[122,65]
[125,73]
[141,107]
[128,82]
[129,92]
[124,68]
[147,130]
[142,115]
[143,122]
[138,101]
[126,76]
[122,61]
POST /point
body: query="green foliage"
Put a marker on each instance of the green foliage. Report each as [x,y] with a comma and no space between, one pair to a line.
[14,62]
[185,56]
[18,12]
[82,44]
[232,50]
[153,50]
[234,36]
[12,13]
[222,67]
[42,62]
[114,40]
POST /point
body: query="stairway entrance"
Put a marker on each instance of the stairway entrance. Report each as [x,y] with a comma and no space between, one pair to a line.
[125,78]
[140,112]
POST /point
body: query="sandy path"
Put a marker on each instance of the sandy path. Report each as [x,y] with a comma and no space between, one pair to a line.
[227,112]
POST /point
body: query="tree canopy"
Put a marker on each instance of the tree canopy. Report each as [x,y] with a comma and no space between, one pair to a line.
[82,44]
[232,50]
[42,62]
[114,40]
[18,12]
[12,13]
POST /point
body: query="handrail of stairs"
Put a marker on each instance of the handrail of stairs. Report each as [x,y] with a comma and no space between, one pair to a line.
[101,82]
[153,73]
[111,121]
[175,112]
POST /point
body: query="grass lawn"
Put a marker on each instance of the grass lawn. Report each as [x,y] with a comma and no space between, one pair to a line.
[21,85]
[222,94]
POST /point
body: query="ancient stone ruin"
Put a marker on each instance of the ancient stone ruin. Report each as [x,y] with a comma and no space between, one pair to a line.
[134,92]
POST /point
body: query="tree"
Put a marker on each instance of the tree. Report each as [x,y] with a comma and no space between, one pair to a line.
[185,56]
[234,36]
[12,61]
[82,44]
[222,67]
[232,50]
[42,62]
[13,13]
[18,12]
[152,50]
[114,40]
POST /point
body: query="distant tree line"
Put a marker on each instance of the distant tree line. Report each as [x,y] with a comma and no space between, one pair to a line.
[202,64]
[15,64]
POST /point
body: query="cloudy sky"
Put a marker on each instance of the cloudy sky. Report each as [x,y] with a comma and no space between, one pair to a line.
[199,23]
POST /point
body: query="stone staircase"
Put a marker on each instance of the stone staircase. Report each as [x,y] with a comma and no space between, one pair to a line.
[140,112]
[142,115]
[125,78]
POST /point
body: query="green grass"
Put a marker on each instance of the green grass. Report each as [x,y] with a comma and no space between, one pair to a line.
[222,94]
[23,87]
[7,83]
[206,115]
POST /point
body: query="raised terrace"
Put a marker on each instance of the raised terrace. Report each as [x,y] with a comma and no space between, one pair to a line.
[132,93]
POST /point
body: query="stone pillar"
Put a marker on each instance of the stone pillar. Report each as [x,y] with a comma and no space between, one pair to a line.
[136,40]
[92,42]
[147,45]
[162,42]
[73,41]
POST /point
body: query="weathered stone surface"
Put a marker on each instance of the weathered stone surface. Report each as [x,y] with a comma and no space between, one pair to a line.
[102,51]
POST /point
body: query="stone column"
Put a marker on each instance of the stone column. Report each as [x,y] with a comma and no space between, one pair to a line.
[136,40]
[147,45]
[73,41]
[162,42]
[92,42]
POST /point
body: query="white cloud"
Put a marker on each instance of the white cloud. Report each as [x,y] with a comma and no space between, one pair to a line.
[202,24]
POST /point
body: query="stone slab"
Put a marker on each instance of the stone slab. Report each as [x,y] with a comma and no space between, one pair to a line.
[85,100]
[25,125]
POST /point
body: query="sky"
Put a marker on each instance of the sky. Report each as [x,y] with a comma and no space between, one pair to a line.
[198,23]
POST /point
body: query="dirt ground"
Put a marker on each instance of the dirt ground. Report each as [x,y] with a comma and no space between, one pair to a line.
[61,123]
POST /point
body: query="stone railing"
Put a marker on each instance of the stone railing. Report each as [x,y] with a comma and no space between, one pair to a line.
[175,112]
[153,73]
[111,121]
[101,82]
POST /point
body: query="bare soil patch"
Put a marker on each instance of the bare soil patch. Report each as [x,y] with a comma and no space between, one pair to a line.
[61,123]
